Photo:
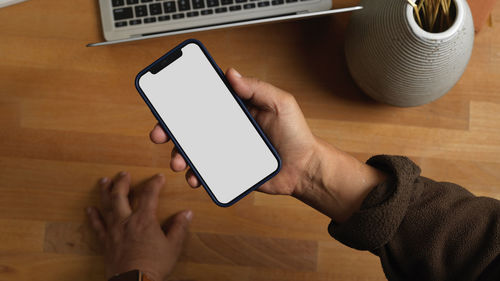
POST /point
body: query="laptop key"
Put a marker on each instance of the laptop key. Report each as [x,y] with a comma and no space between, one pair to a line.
[132,2]
[212,3]
[122,13]
[263,4]
[155,9]
[183,5]
[149,20]
[169,7]
[249,6]
[164,18]
[141,11]
[206,12]
[146,1]
[227,2]
[291,1]
[192,14]
[277,2]
[135,22]
[117,3]
[235,8]
[198,4]
[120,23]
[178,16]
[220,10]
[241,1]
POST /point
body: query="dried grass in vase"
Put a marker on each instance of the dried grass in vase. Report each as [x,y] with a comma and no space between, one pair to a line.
[434,15]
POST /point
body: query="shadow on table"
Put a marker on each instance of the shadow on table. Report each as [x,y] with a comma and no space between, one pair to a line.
[323,50]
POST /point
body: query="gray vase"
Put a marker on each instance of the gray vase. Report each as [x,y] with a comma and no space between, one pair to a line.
[394,61]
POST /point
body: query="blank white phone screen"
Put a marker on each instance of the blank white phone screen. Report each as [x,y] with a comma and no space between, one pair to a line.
[209,125]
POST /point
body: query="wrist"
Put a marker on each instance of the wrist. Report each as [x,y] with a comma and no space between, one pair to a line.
[316,174]
[319,189]
[337,182]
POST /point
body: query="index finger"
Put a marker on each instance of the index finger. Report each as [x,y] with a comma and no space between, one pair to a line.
[115,198]
[157,135]
[259,93]
[147,197]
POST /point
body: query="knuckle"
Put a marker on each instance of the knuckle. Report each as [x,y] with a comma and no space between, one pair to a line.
[139,223]
[149,187]
[287,101]
[255,83]
[156,183]
[261,85]
[119,191]
[152,187]
[115,196]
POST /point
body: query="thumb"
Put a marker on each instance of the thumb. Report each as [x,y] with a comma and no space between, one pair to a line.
[177,227]
[258,93]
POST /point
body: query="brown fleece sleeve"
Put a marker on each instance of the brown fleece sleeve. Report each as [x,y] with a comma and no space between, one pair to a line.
[425,230]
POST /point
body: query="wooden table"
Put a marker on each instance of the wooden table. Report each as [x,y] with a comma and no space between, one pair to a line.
[70,114]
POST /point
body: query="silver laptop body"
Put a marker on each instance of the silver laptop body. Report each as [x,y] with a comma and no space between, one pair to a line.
[130,20]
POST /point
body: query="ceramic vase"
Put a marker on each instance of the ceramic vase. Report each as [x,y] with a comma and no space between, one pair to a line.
[395,61]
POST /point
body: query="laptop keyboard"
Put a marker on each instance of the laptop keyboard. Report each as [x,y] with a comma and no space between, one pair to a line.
[137,12]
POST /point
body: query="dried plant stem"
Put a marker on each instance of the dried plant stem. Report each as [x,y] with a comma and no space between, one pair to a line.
[432,15]
[415,8]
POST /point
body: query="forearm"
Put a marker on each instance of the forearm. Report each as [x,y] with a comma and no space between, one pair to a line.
[338,182]
[422,229]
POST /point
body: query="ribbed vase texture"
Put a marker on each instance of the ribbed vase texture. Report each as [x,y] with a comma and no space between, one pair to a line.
[394,61]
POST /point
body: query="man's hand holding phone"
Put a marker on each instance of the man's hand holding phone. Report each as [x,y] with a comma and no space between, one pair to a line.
[280,117]
[313,171]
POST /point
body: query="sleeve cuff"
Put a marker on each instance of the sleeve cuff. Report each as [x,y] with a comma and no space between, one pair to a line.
[384,207]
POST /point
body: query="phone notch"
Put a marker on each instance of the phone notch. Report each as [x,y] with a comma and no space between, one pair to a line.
[166,61]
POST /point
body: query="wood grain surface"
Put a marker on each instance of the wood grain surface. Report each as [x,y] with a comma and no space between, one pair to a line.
[70,115]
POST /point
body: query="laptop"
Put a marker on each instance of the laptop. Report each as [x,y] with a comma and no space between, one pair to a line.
[130,20]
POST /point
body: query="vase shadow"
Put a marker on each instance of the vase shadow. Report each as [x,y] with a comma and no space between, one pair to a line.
[322,49]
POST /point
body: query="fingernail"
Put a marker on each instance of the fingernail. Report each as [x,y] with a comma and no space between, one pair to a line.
[189,215]
[237,73]
[88,210]
[123,173]
[160,175]
[103,180]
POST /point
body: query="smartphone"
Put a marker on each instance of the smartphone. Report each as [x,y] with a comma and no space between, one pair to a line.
[208,123]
